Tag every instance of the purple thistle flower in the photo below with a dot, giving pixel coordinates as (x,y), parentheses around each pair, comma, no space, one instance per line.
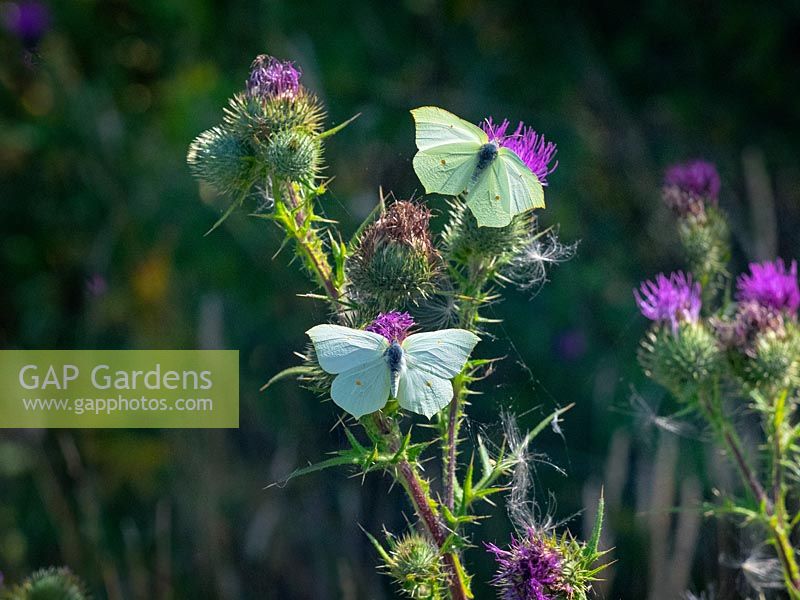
(770,284)
(750,320)
(393,325)
(27,20)
(532,149)
(670,299)
(697,177)
(531,569)
(273,78)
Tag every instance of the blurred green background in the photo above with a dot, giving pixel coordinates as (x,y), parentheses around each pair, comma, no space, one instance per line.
(102,247)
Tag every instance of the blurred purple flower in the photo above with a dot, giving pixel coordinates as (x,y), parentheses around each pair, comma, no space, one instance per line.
(96,285)
(531,569)
(393,325)
(698,177)
(531,147)
(750,320)
(27,20)
(670,299)
(273,78)
(571,344)
(771,285)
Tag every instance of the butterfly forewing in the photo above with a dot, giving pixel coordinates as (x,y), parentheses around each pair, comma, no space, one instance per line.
(441,353)
(341,348)
(363,389)
(438,127)
(524,189)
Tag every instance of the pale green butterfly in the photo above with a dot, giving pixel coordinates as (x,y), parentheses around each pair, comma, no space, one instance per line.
(369,369)
(456,156)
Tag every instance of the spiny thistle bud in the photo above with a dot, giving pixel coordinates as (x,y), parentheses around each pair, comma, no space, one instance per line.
(221,159)
(48,584)
(273,101)
(395,263)
(680,359)
(750,321)
(774,363)
(415,565)
(706,241)
(294,155)
(465,243)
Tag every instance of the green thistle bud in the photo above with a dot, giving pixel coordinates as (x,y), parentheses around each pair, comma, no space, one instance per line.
(394,263)
(48,584)
(257,118)
(773,362)
(681,361)
(465,243)
(415,565)
(706,241)
(218,157)
(294,155)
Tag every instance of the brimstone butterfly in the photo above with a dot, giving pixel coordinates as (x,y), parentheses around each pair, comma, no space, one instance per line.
(457,157)
(370,369)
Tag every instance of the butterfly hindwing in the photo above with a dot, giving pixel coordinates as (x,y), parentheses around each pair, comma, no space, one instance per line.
(341,348)
(421,392)
(446,170)
(506,188)
(363,389)
(522,188)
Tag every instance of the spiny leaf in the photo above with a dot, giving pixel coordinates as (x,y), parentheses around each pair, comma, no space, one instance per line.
(338,128)
(290,372)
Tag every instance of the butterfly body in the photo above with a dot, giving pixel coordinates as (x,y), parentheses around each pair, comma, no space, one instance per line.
(486,155)
(456,157)
(370,369)
(395,359)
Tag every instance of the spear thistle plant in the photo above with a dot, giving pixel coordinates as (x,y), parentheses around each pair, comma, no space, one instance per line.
(408,306)
(723,351)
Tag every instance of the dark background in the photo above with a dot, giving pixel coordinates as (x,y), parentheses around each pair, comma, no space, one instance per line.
(102,247)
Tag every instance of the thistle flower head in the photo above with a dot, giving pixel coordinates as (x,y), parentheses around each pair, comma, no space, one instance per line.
(273,78)
(393,325)
(45,584)
(221,159)
(415,565)
(394,262)
(698,177)
(672,299)
(294,155)
(531,568)
(748,323)
(532,148)
(771,284)
(28,20)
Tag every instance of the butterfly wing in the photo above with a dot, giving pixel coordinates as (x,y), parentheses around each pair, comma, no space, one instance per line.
(362,389)
(441,353)
(448,150)
(423,393)
(432,360)
(340,349)
(518,183)
(506,188)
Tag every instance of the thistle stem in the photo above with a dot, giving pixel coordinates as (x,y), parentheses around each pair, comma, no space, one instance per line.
(425,507)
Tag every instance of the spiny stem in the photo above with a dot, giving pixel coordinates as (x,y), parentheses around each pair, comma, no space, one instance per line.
(424,506)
